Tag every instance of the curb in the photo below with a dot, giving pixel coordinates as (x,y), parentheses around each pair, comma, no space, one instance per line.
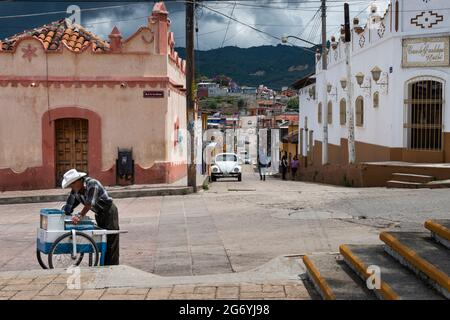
(356,264)
(416,261)
(320,282)
(115,194)
(438,229)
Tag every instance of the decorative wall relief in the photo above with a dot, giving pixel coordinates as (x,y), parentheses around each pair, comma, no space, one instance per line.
(427,19)
(362,41)
(381,30)
(29,52)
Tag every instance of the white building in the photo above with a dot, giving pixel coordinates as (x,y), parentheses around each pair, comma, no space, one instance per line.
(404,115)
(247,137)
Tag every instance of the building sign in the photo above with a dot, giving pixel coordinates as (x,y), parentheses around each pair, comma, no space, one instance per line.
(426,52)
(153,94)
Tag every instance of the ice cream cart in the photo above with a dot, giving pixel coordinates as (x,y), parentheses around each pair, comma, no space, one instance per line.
(66,244)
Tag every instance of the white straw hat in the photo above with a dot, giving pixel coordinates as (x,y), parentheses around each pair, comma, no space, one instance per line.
(71,176)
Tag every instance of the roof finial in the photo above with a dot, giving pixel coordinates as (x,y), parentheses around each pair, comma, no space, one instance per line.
(160,8)
(116,40)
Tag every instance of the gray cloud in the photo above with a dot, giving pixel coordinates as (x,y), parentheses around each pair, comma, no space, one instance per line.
(275,17)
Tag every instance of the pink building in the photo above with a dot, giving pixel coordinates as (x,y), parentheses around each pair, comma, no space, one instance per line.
(70,99)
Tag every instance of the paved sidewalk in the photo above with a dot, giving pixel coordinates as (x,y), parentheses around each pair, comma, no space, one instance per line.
(118,192)
(281,278)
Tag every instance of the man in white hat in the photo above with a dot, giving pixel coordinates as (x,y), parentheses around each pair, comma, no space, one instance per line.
(93,196)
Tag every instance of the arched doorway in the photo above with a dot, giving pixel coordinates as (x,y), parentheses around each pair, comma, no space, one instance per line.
(423,123)
(71,146)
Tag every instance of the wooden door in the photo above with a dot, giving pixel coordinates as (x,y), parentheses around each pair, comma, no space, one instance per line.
(71,138)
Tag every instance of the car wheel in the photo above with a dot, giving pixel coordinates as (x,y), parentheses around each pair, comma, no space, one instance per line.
(213,179)
(240,177)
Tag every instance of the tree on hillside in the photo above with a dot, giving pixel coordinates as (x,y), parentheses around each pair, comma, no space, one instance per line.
(293,104)
(222,80)
(242,104)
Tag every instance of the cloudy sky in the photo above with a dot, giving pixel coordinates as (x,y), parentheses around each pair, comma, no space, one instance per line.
(276,18)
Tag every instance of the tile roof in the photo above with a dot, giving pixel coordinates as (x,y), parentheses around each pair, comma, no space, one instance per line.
(53,34)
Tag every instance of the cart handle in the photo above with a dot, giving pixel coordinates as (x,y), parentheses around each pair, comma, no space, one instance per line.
(104,231)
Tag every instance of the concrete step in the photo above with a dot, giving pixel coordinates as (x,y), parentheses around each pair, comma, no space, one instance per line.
(334,280)
(437,184)
(421,254)
(440,231)
(407,177)
(403,184)
(397,282)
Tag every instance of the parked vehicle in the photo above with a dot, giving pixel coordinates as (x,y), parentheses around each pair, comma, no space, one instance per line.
(226,165)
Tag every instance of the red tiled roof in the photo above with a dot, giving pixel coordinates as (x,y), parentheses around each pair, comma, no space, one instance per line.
(265,102)
(55,33)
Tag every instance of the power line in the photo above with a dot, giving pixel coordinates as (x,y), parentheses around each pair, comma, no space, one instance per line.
(249,26)
(58,12)
(228,25)
(224,1)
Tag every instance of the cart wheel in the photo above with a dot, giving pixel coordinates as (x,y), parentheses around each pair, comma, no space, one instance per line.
(39,258)
(61,255)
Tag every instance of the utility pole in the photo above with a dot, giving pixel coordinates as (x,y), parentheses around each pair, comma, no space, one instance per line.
(324,87)
(350,112)
(190,90)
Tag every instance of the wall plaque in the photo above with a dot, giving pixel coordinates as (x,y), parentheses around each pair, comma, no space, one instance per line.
(153,94)
(426,52)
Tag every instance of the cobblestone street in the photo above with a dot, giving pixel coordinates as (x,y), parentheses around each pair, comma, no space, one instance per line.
(237,226)
(53,286)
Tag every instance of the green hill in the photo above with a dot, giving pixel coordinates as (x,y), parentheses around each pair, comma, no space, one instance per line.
(273,66)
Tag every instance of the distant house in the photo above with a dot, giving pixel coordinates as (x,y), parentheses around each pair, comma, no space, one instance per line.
(249,90)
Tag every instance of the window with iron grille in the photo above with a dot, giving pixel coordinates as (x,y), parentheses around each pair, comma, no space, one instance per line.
(330,112)
(319,113)
(423,114)
(343,112)
(359,109)
(311,147)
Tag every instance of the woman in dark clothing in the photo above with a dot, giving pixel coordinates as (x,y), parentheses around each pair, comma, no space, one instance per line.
(284,166)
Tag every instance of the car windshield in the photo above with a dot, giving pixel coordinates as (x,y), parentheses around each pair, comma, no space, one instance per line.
(226,157)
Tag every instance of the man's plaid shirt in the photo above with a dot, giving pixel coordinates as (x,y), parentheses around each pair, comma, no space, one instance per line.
(93,194)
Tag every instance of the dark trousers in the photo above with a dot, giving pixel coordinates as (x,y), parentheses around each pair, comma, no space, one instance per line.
(109,220)
(261,176)
(283,172)
(294,172)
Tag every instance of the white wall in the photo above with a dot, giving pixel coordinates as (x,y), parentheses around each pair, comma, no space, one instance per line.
(383,125)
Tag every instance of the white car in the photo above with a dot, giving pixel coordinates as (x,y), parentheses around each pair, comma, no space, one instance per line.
(226,165)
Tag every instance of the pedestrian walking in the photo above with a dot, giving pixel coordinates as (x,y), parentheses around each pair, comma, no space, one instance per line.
(294,166)
(93,196)
(284,166)
(263,164)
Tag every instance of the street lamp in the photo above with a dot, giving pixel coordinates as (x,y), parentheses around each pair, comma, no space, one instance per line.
(360,77)
(330,88)
(344,83)
(284,39)
(376,76)
(312,92)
